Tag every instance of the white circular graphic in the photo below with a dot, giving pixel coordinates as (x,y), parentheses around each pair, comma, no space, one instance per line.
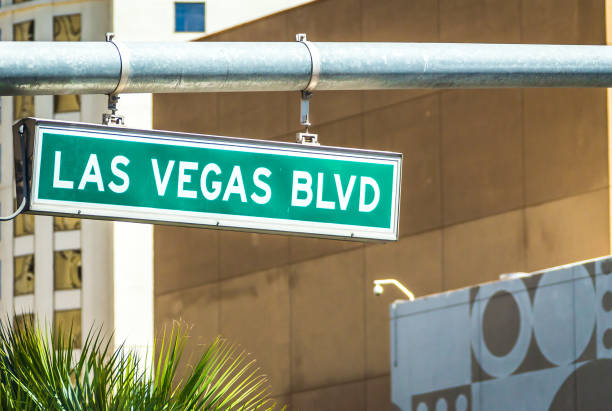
(490,363)
(461,403)
(441,405)
(556,306)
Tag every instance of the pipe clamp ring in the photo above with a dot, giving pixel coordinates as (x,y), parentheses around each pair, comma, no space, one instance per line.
(124,59)
(315,62)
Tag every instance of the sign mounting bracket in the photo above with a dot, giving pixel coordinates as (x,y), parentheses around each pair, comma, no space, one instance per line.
(307,137)
(112,118)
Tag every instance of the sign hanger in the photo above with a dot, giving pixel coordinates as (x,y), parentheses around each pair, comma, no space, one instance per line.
(307,137)
(112,118)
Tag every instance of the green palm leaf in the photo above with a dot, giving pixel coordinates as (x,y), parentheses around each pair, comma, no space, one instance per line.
(39,371)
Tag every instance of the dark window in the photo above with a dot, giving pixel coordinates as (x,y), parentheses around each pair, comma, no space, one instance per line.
(189,17)
(67,28)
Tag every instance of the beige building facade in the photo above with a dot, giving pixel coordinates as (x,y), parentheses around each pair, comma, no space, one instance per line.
(494,181)
(85,273)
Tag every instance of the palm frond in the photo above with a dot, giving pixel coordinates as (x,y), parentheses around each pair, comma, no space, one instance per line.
(39,371)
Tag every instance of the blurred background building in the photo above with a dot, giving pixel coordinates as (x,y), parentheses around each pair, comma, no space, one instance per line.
(539,342)
(494,181)
(86,272)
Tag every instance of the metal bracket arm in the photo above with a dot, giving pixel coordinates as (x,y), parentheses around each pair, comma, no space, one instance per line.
(23,141)
(315,60)
(112,118)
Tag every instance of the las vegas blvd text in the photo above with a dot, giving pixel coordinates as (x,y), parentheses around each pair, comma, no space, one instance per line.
(211,187)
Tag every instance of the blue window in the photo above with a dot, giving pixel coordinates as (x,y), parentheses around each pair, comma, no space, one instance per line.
(189,17)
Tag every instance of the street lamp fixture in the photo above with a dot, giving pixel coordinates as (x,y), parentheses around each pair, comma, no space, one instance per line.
(378,287)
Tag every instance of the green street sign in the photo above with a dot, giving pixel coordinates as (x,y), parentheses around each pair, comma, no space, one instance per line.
(94,171)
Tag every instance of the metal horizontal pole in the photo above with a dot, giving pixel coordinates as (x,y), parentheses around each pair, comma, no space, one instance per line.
(28,68)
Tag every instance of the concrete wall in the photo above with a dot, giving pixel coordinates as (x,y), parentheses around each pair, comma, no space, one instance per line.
(540,342)
(494,181)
